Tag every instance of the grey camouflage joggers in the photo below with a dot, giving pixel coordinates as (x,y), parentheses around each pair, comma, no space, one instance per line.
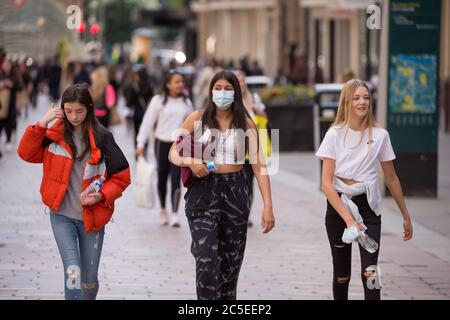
(217,208)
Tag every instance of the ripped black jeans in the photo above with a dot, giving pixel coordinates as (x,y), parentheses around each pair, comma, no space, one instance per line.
(342,252)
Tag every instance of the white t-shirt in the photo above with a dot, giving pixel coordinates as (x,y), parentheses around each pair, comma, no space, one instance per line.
(168,119)
(356,162)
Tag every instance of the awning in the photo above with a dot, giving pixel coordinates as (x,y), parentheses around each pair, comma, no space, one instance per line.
(221,5)
(337,4)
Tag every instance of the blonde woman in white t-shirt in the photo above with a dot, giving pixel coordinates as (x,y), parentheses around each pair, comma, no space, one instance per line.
(350,151)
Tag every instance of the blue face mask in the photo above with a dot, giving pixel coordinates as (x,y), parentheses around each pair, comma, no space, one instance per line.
(350,234)
(223,98)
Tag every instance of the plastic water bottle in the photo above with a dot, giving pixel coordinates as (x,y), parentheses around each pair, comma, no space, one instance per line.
(367,242)
(95,186)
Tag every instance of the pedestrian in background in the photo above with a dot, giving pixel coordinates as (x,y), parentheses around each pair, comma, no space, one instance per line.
(202,81)
(218,203)
(112,77)
(103,94)
(167,111)
(23,95)
(68,76)
(254,106)
(2,55)
(10,84)
(54,80)
(346,75)
(76,150)
(137,92)
(40,81)
(351,151)
(81,73)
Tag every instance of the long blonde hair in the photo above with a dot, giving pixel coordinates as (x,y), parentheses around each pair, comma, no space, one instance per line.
(100,81)
(344,109)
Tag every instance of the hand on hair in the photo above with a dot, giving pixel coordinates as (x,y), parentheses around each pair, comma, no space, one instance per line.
(52,114)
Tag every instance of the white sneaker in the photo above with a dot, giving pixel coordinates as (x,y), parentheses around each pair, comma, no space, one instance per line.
(175,223)
(9,146)
(163,220)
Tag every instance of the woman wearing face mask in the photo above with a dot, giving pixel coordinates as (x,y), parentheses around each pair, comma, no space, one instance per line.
(167,110)
(351,151)
(218,203)
(75,150)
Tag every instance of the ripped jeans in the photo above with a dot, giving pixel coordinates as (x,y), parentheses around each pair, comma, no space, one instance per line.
(342,252)
(80,253)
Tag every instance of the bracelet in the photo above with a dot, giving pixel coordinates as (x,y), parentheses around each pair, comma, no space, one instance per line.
(211,166)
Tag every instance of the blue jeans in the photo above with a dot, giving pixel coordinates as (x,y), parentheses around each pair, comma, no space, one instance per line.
(80,253)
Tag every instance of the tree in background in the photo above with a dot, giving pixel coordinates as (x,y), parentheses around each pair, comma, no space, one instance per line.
(118,15)
(118,23)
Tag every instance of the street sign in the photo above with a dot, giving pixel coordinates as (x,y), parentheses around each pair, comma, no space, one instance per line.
(413,74)
(412,110)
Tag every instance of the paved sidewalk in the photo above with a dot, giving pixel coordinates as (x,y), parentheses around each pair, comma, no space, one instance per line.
(142,260)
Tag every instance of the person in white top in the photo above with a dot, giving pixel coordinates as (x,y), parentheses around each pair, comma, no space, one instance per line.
(167,111)
(200,89)
(218,202)
(351,151)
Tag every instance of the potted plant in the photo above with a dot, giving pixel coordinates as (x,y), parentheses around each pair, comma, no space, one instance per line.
(288,95)
(290,110)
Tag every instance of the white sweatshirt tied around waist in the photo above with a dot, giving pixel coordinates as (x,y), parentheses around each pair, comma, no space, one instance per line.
(369,187)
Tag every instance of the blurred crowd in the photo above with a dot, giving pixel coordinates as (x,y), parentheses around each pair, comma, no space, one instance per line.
(22,80)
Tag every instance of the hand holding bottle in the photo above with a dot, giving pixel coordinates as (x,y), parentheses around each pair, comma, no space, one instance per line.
(92,195)
(91,199)
(367,242)
(354,233)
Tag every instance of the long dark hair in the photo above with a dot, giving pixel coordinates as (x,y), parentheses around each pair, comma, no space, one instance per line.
(240,114)
(80,93)
(165,92)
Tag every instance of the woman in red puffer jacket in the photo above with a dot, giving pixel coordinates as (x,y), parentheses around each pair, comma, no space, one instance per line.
(75,150)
